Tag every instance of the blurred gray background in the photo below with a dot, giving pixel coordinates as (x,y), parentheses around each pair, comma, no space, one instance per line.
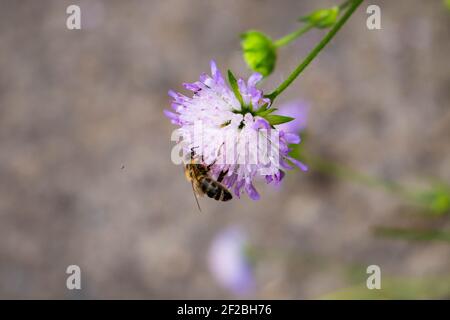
(85,170)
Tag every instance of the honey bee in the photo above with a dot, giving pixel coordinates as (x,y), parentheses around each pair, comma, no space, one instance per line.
(202,182)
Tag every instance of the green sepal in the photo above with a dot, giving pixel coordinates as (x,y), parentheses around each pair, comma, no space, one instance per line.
(274,119)
(235,87)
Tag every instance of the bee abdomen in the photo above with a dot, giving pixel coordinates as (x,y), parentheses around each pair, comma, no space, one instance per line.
(210,187)
(226,195)
(215,190)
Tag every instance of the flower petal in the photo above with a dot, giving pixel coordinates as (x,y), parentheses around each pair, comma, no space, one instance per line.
(279,176)
(299,164)
(217,75)
(251,191)
(174,118)
(292,138)
(254,79)
(261,123)
(284,164)
(237,188)
(192,86)
(171,115)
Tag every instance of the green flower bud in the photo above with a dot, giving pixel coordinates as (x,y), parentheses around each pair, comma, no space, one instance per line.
(322,18)
(259,52)
(437,199)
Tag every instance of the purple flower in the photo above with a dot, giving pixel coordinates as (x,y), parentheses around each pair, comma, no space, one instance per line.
(229,263)
(298,110)
(230,137)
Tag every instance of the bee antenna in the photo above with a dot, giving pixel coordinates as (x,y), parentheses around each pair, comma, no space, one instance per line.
(192,151)
(196,198)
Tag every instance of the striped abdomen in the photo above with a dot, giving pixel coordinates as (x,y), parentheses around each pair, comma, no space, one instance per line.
(214,189)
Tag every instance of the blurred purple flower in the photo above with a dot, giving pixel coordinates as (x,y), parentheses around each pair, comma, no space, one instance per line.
(229,263)
(297,109)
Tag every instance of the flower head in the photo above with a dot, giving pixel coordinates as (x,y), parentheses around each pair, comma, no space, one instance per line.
(232,129)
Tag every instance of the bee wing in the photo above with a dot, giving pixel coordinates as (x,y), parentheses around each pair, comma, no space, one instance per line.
(195,195)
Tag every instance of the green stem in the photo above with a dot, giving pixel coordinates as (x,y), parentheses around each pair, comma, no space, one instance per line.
(310,57)
(302,30)
(344,5)
(435,200)
(414,234)
(337,170)
(292,36)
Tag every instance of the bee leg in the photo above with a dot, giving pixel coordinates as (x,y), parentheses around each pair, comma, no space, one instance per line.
(222,175)
(210,165)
